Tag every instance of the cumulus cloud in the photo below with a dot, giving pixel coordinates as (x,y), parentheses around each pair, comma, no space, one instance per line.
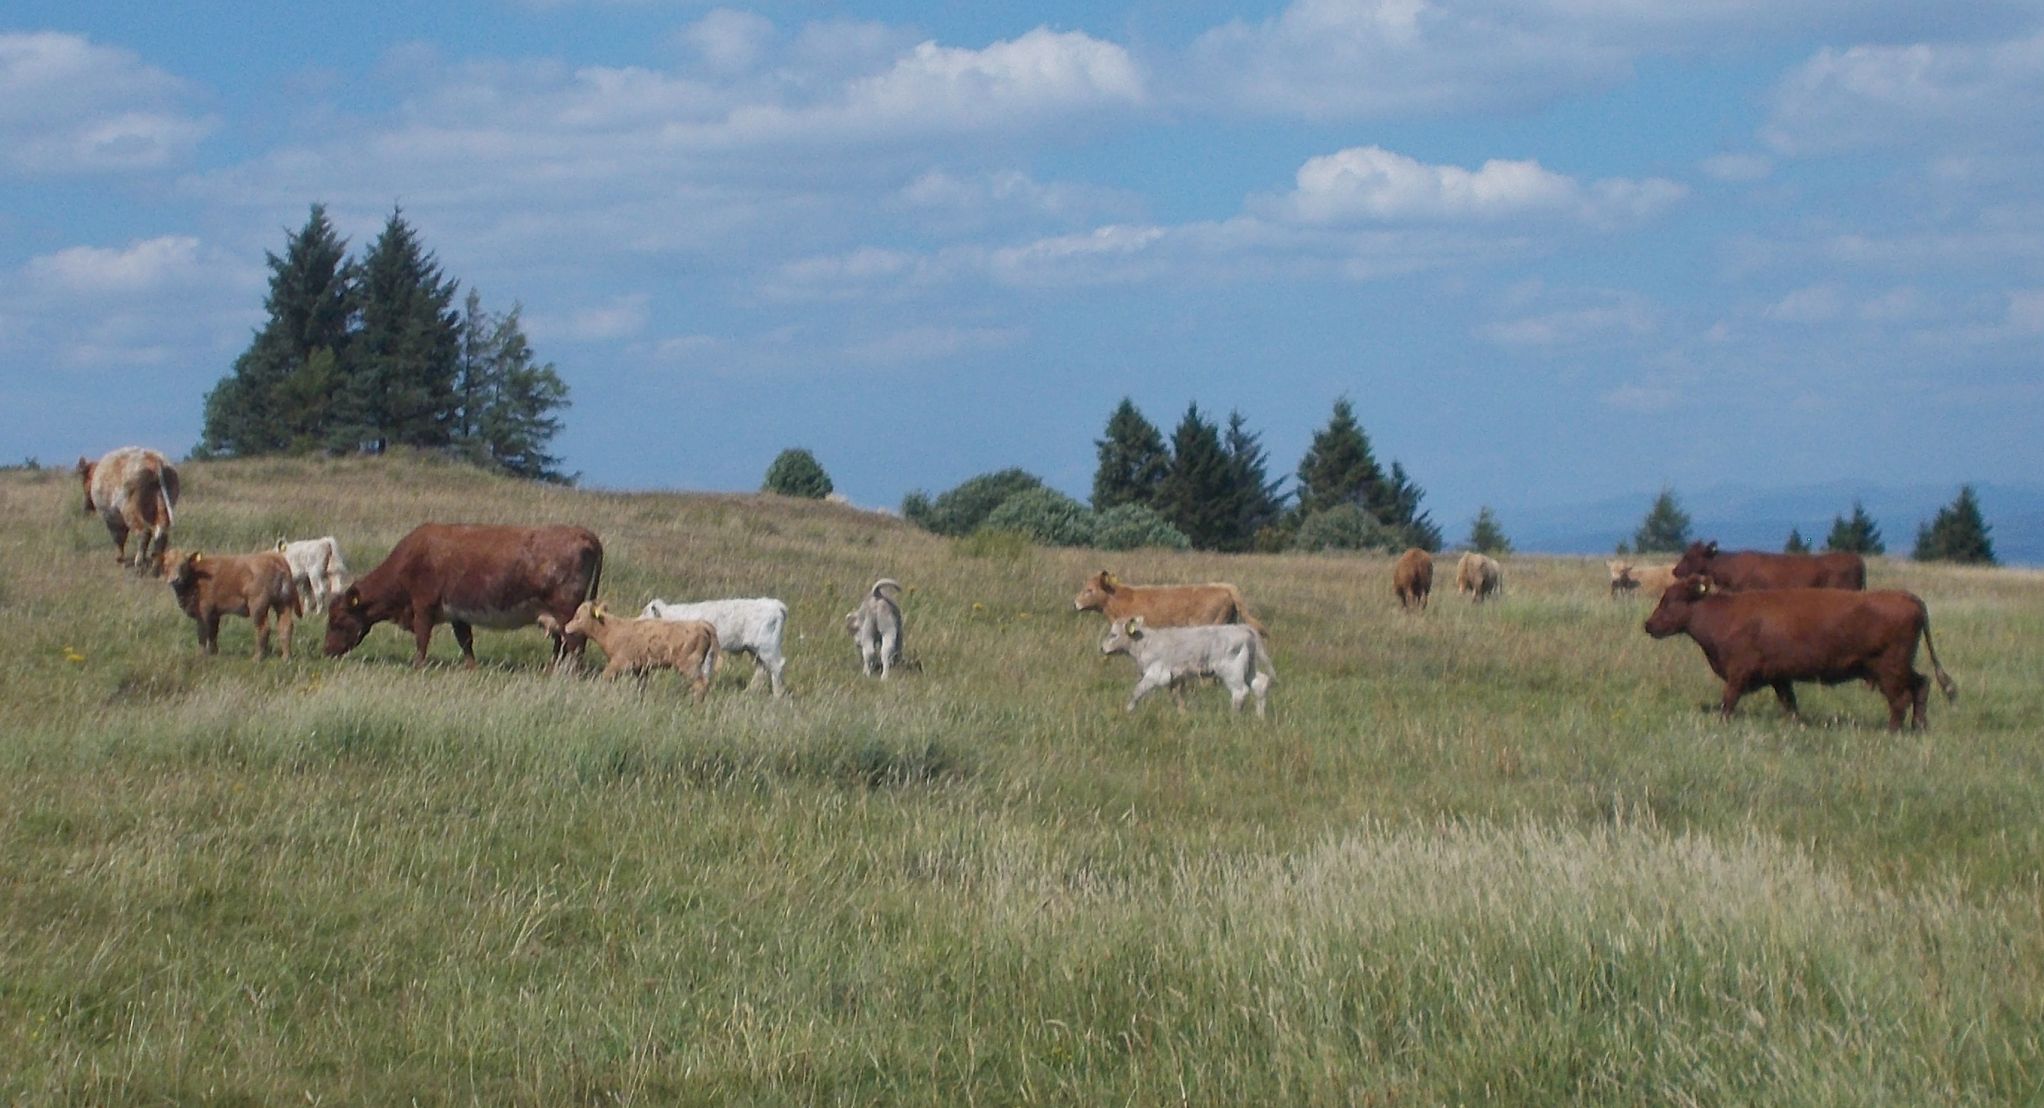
(1372,183)
(69,105)
(142,265)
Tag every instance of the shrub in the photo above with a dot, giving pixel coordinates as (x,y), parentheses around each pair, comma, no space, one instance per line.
(796,472)
(963,509)
(1346,527)
(1129,526)
(1045,515)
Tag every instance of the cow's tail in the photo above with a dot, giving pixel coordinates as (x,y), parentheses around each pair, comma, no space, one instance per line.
(883,584)
(595,576)
(1242,613)
(1262,660)
(1945,683)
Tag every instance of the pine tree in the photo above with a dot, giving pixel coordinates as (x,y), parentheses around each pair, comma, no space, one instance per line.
(1959,533)
(403,365)
(1796,544)
(796,472)
(1254,498)
(1133,460)
(1338,468)
(1196,494)
(1665,529)
(1401,514)
(280,392)
(1485,536)
(1858,535)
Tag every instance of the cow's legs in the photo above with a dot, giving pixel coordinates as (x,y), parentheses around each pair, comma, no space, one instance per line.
(209,633)
(120,534)
(465,635)
(286,619)
(890,645)
(422,635)
(260,616)
(1785,691)
(1143,688)
(1919,697)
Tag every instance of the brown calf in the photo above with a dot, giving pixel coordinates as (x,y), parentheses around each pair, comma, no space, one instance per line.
(1165,605)
(1776,637)
(252,585)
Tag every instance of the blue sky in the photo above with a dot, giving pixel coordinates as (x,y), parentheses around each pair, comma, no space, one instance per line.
(1555,251)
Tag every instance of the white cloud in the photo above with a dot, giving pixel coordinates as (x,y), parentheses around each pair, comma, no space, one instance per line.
(149,263)
(68,105)
(1624,317)
(621,318)
(1372,183)
(1936,93)
(730,41)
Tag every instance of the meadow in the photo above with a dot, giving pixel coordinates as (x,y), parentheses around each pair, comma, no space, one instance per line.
(1494,854)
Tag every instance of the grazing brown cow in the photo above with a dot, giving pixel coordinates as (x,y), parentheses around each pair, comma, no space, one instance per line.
(133,490)
(1756,569)
(1478,576)
(1776,637)
(1412,578)
(252,585)
(1645,580)
(1165,605)
(473,575)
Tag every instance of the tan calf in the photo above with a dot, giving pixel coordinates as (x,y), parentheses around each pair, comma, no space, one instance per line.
(257,586)
(639,646)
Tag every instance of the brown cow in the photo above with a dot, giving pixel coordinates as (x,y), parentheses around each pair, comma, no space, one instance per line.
(1478,576)
(1646,580)
(473,575)
(1165,605)
(1776,637)
(1756,569)
(133,490)
(1412,578)
(252,585)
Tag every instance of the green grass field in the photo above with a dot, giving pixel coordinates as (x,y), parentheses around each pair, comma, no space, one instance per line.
(1494,854)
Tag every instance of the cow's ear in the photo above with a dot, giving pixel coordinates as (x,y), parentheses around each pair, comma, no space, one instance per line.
(1712,549)
(196,557)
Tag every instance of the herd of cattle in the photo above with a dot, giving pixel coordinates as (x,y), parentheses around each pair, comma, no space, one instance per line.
(1762,620)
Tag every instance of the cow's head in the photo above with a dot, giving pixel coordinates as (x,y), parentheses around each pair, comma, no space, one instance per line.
(1696,559)
(85,469)
(185,573)
(1122,635)
(588,616)
(347,621)
(1671,615)
(1093,597)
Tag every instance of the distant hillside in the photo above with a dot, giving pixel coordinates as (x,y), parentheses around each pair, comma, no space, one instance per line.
(1761,519)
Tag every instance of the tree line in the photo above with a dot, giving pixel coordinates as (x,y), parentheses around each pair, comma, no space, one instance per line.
(365,354)
(1958,533)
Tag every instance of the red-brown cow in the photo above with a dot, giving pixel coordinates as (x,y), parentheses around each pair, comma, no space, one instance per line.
(1165,605)
(1755,569)
(1412,578)
(1777,637)
(473,575)
(253,585)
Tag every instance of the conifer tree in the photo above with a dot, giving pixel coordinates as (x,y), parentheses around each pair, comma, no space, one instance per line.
(1197,494)
(1796,544)
(1485,536)
(1665,529)
(508,400)
(1133,460)
(1255,499)
(1338,467)
(1401,514)
(1858,535)
(1959,533)
(279,393)
(401,380)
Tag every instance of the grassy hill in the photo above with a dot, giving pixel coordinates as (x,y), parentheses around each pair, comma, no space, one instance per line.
(1486,854)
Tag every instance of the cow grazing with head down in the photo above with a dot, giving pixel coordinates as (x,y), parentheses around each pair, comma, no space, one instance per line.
(1776,637)
(469,576)
(1756,569)
(257,586)
(133,490)
(1412,578)
(1479,577)
(1645,580)
(1165,605)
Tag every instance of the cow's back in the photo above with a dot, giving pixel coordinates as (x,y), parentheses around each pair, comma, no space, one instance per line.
(485,566)
(1754,569)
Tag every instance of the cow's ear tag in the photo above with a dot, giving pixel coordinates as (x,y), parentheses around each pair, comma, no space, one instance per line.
(1703,588)
(355,600)
(197,558)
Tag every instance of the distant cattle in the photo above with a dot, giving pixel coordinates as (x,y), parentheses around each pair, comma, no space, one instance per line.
(1412,578)
(1478,576)
(257,586)
(753,625)
(639,646)
(469,576)
(1165,605)
(876,628)
(1171,656)
(316,569)
(134,491)
(1645,580)
(1777,637)
(1754,569)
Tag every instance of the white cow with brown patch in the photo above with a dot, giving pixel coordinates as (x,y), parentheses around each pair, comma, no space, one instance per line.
(134,491)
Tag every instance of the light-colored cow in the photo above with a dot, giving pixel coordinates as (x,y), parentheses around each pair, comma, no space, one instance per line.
(639,646)
(876,627)
(1478,576)
(316,569)
(1647,580)
(1164,605)
(752,625)
(133,489)
(1171,656)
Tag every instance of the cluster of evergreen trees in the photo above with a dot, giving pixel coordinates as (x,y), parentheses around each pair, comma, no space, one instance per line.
(372,353)
(1959,533)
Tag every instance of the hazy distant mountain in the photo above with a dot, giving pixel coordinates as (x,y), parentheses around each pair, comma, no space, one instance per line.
(1760,519)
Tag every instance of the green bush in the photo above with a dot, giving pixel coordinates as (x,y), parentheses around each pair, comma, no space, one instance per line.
(796,472)
(1046,515)
(1345,527)
(963,509)
(1130,526)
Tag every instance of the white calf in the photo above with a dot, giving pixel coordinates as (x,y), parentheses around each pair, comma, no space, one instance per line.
(317,570)
(750,626)
(1169,656)
(876,628)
